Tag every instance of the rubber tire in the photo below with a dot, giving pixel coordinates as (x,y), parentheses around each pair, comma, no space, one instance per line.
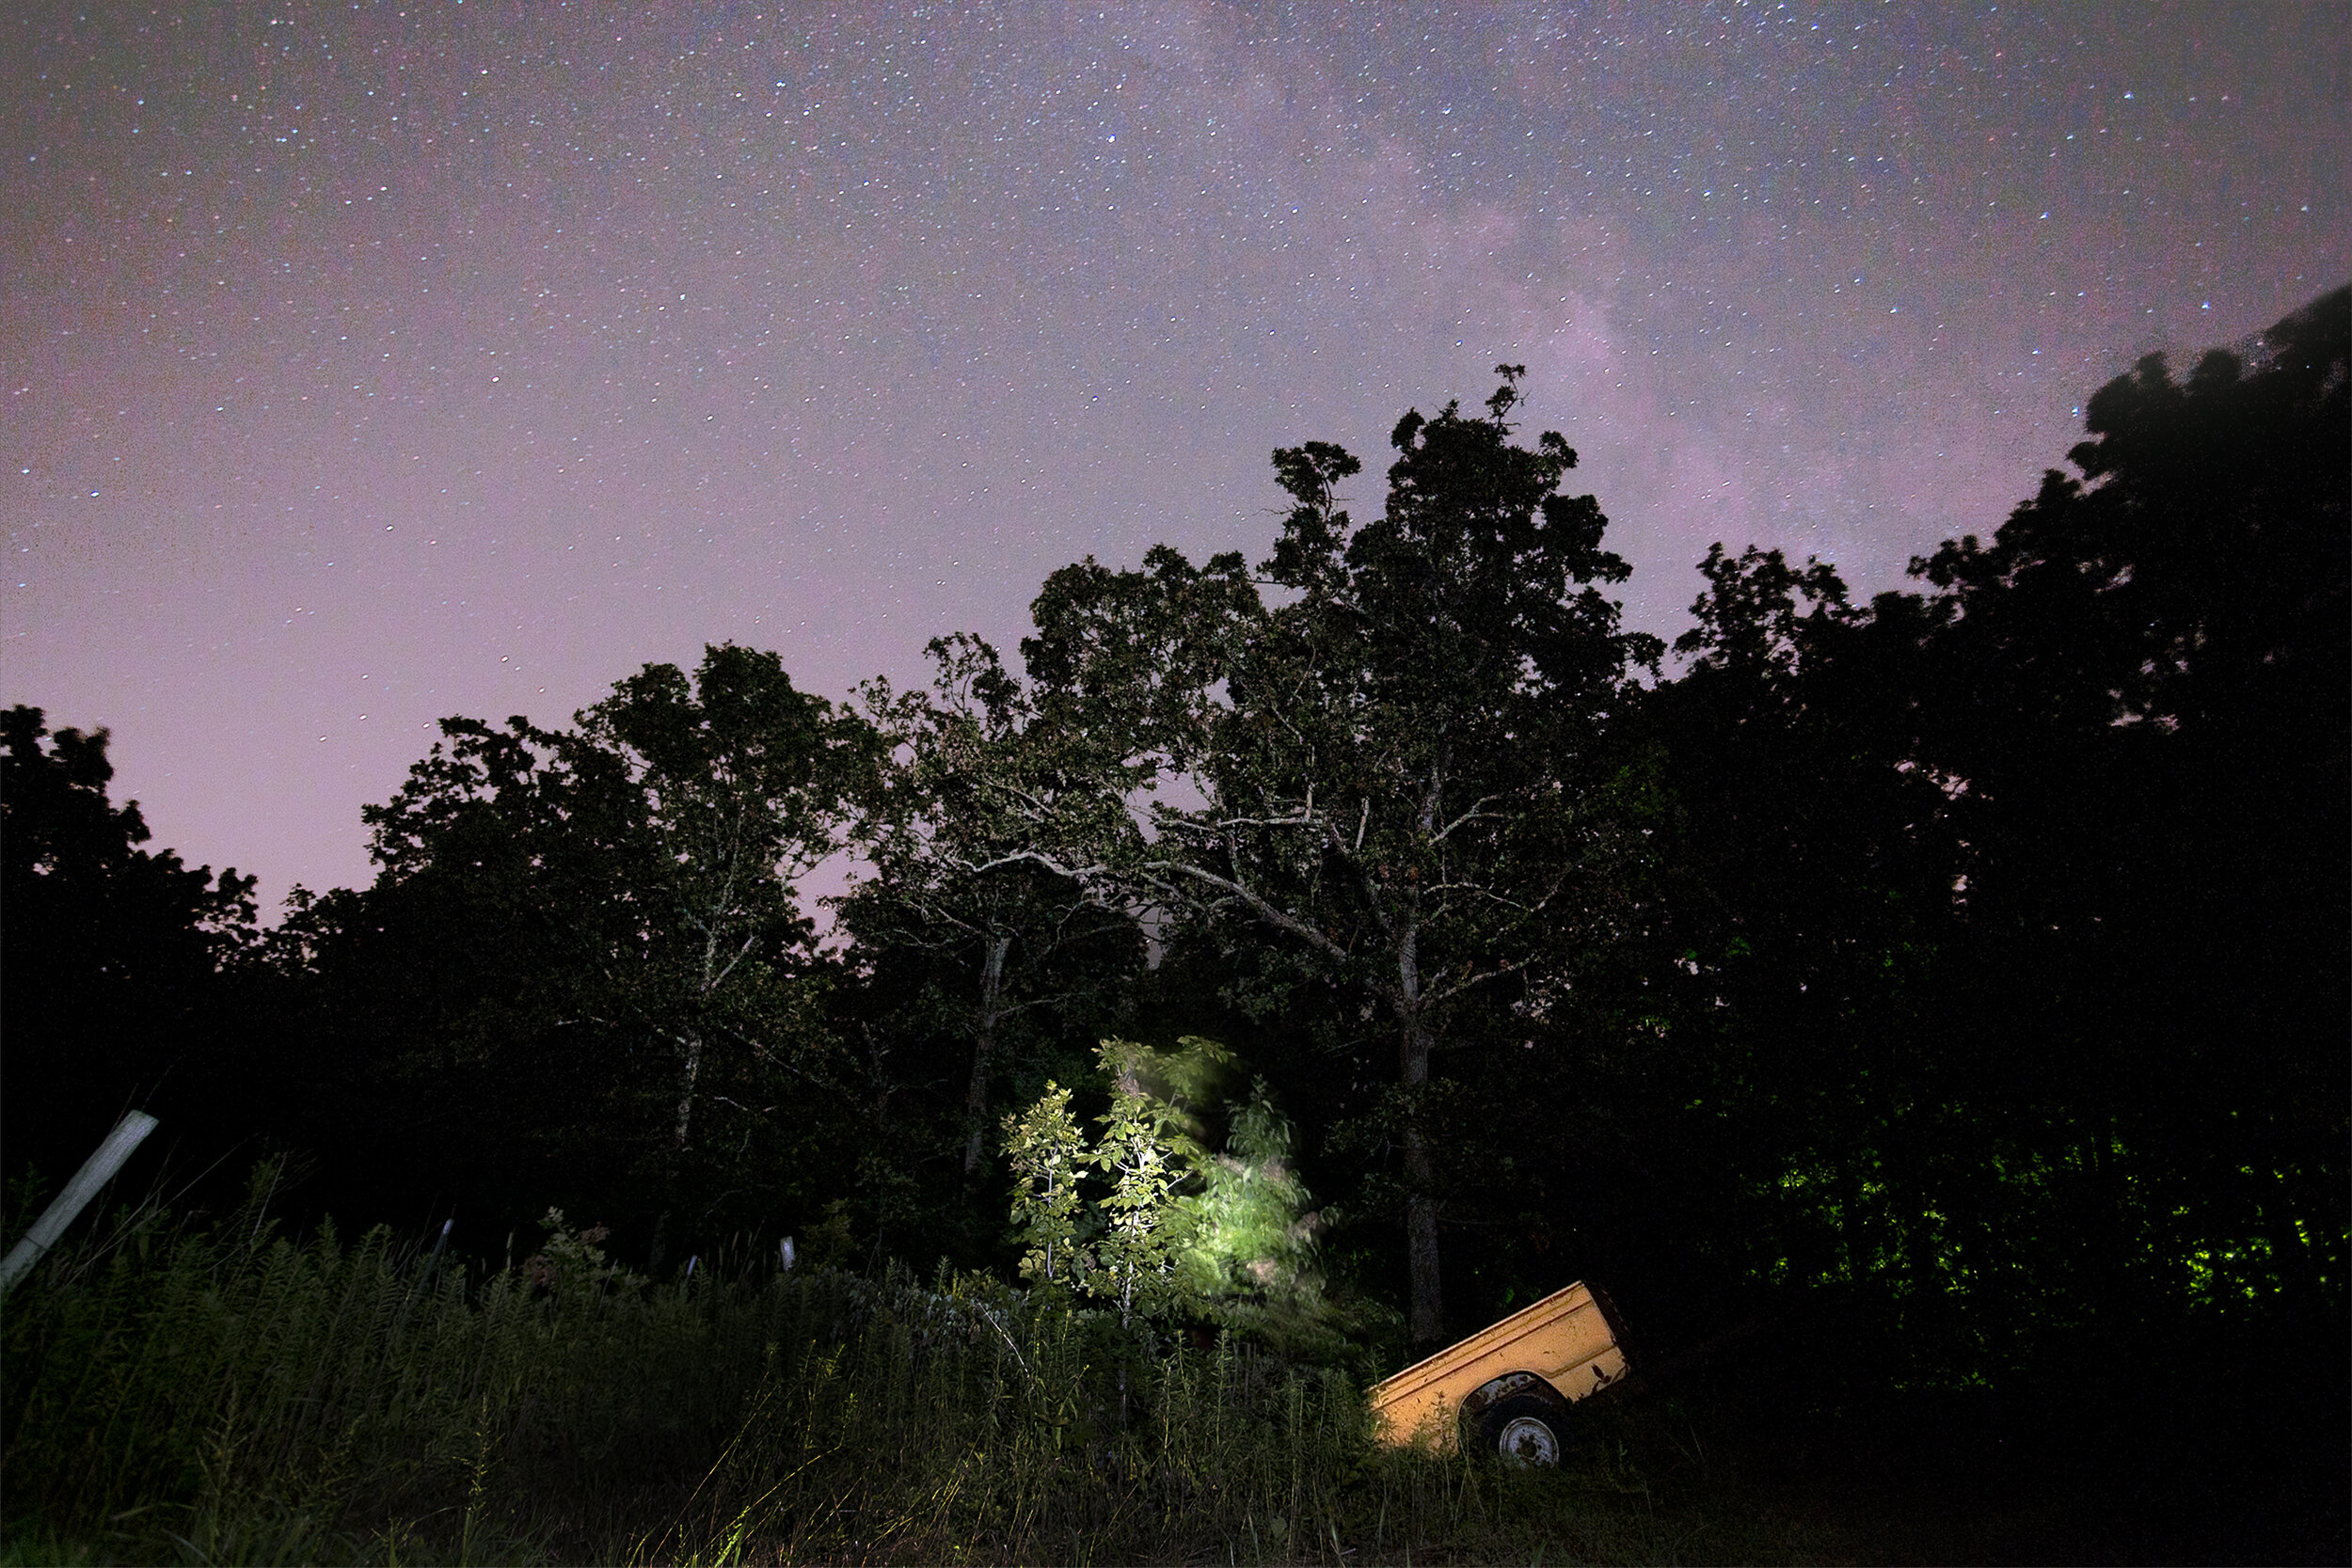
(1550,1416)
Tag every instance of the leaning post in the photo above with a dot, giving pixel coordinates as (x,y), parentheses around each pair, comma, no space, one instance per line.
(96,1172)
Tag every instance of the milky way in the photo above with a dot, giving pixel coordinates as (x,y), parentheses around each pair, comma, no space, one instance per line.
(367,365)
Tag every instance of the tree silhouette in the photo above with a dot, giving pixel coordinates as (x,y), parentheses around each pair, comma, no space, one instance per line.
(112,971)
(979,940)
(606,922)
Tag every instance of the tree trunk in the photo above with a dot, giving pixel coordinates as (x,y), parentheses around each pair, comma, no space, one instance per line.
(1428,1320)
(678,1144)
(1414,1041)
(984,1047)
(686,1092)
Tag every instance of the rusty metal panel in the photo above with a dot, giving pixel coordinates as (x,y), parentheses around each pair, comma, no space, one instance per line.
(1567,1338)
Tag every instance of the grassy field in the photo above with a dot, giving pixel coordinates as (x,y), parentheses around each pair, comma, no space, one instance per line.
(218,1393)
(213,1392)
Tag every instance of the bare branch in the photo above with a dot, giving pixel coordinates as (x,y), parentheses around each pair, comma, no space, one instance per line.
(747,1110)
(750,941)
(1476,812)
(1438,994)
(1273,915)
(1034,857)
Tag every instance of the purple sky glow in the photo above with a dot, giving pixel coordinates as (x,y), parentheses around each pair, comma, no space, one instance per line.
(366,363)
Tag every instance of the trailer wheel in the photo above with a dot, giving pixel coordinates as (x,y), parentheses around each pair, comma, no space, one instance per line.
(1526,1428)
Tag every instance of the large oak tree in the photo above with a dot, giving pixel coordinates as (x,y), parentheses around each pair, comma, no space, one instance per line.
(1386,772)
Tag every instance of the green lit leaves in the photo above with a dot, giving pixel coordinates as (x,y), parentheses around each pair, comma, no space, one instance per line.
(1047,1149)
(1136,1256)
(1129,1258)
(1227,1235)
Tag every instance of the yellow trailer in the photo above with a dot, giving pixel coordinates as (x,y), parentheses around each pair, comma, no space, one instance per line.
(1510,1384)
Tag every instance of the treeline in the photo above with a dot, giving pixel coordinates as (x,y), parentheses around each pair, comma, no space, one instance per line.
(1948,992)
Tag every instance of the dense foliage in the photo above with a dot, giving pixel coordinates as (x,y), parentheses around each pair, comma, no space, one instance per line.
(1943,997)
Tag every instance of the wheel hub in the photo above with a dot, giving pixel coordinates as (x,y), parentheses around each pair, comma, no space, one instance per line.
(1525,1440)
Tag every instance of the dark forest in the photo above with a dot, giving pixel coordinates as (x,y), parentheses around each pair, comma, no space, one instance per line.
(1926,1016)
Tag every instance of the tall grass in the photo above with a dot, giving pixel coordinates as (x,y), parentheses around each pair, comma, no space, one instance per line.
(219,1393)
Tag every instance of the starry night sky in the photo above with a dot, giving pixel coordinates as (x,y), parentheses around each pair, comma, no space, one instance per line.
(365,365)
